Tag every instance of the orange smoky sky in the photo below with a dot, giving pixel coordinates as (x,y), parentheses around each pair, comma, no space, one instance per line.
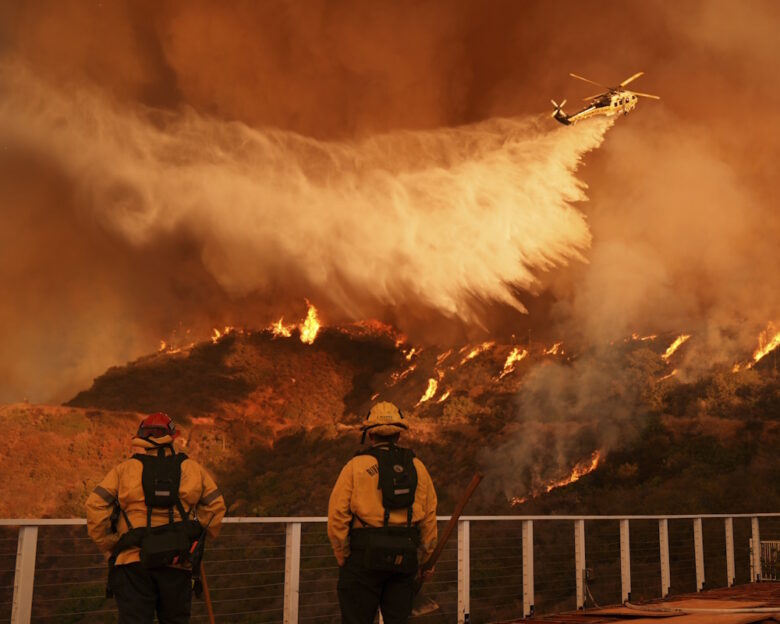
(173,165)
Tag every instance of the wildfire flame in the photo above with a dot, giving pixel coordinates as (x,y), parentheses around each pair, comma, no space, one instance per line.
(217,335)
(410,354)
(554,349)
(766,344)
(163,346)
(669,376)
(443,357)
(675,345)
(580,470)
(444,397)
(429,392)
(310,326)
(513,358)
(480,348)
(280,330)
(396,377)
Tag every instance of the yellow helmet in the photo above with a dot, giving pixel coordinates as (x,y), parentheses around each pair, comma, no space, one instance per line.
(384,419)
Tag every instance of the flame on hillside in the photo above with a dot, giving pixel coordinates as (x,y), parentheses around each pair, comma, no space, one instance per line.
(444,397)
(513,358)
(443,357)
(217,335)
(766,344)
(475,351)
(396,376)
(554,349)
(637,336)
(669,376)
(433,385)
(279,329)
(311,326)
(580,470)
(678,342)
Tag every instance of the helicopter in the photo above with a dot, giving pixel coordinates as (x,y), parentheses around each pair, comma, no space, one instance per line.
(611,102)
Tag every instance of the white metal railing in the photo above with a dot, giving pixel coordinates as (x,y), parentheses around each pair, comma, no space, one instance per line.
(289,611)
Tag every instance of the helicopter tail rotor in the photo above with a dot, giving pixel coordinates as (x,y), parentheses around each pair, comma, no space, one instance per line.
(558,113)
(558,108)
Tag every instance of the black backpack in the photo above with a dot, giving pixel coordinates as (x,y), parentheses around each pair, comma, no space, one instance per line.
(168,543)
(392,548)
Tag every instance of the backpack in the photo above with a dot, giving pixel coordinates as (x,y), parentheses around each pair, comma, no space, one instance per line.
(169,543)
(392,548)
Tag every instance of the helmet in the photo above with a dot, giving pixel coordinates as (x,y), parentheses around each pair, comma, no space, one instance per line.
(384,419)
(157,425)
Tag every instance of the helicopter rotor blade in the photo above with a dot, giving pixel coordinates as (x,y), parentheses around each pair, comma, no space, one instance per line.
(631,79)
(590,81)
(593,97)
(655,97)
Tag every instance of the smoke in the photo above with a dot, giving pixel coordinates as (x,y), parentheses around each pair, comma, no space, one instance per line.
(436,218)
(182,164)
(568,411)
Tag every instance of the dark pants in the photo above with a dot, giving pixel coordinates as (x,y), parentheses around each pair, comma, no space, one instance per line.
(139,592)
(362,591)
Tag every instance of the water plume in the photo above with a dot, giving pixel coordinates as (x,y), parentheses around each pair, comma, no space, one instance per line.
(438,218)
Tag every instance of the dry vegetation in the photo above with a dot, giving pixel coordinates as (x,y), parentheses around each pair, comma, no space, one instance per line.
(275,419)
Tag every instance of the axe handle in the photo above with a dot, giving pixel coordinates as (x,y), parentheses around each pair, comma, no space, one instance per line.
(453,522)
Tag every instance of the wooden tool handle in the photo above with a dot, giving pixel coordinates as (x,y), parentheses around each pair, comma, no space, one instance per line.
(206,594)
(453,522)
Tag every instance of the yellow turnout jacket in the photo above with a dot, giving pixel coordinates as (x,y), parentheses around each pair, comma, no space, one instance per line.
(198,493)
(357,497)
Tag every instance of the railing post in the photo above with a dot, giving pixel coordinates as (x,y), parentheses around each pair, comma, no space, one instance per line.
(755,551)
(292,571)
(579,561)
(663,540)
(528,568)
(698,553)
(24,577)
(625,561)
(464,572)
(730,570)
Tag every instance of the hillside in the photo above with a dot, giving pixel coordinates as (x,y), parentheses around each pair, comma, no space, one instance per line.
(275,419)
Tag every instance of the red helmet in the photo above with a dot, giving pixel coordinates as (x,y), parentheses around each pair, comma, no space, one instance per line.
(157,425)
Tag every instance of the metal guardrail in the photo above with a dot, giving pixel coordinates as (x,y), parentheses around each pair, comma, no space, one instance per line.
(282,569)
(770,559)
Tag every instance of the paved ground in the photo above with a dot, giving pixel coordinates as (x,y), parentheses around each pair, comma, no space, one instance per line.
(673,611)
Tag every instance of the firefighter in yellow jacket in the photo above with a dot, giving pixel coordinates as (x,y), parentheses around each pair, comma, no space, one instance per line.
(381,523)
(159,489)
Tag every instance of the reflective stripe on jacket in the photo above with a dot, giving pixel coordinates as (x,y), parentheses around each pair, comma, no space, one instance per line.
(357,495)
(199,496)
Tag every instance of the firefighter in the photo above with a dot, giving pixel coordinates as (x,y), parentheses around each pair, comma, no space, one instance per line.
(153,570)
(381,523)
